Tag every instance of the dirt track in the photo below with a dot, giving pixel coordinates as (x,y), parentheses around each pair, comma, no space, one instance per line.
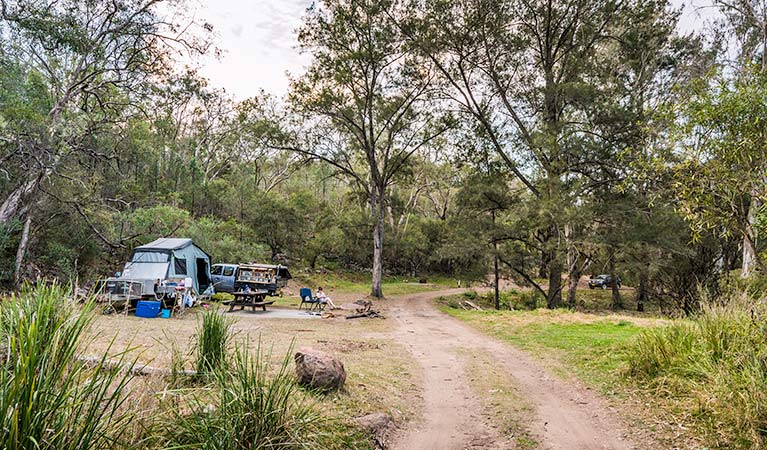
(566,416)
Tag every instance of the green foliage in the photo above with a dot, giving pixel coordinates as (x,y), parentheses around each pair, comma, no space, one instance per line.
(718,359)
(49,397)
(6,250)
(212,339)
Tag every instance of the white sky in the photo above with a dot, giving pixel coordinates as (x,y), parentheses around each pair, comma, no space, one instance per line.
(259,42)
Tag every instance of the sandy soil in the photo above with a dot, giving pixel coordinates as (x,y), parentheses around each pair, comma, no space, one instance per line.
(566,416)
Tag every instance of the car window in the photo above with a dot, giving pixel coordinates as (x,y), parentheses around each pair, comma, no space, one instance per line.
(245,275)
(228,271)
(216,270)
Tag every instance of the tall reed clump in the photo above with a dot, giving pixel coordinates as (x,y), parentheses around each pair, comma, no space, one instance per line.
(212,340)
(718,359)
(50,398)
(251,406)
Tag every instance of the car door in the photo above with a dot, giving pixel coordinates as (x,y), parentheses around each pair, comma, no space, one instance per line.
(215,276)
(227,278)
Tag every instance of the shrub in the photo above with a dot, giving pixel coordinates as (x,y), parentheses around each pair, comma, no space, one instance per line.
(50,398)
(212,340)
(718,358)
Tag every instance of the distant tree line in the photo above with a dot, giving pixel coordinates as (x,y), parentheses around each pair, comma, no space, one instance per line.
(541,141)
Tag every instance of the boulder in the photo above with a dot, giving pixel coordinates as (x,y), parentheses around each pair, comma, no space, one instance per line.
(319,370)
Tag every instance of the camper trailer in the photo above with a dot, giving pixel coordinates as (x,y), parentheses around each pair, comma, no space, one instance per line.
(158,268)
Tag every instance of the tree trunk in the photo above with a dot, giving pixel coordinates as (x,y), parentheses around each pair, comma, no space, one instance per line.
(554,294)
(617,301)
(554,297)
(749,240)
(17,199)
(377,209)
(573,271)
(641,293)
(572,287)
(22,250)
(495,270)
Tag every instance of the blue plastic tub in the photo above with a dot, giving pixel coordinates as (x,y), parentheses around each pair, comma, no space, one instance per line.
(165,314)
(148,309)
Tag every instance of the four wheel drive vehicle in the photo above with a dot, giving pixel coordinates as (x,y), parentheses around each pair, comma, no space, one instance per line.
(604,282)
(234,277)
(222,276)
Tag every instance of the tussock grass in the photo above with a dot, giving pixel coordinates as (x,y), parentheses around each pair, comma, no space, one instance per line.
(49,397)
(719,361)
(213,337)
(254,406)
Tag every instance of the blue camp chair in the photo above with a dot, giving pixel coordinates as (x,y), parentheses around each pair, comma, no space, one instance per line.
(306,297)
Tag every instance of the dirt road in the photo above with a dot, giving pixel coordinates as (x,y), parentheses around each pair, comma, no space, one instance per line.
(566,416)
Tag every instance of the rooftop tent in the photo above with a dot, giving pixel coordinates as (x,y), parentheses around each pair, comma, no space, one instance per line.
(170,258)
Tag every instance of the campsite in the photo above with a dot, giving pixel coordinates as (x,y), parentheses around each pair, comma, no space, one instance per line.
(383,224)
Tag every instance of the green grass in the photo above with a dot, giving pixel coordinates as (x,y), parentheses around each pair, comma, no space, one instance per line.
(49,397)
(252,405)
(598,349)
(359,283)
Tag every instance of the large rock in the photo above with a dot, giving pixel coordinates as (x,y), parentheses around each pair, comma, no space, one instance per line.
(319,370)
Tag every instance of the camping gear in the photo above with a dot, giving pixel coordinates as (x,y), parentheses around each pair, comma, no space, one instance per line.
(148,309)
(306,297)
(164,265)
(165,314)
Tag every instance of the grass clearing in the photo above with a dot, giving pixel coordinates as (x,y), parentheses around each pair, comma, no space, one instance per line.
(359,283)
(595,345)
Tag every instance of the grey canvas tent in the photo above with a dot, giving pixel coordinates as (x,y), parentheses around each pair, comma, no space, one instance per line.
(169,258)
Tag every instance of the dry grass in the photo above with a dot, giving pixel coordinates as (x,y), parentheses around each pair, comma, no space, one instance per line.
(379,372)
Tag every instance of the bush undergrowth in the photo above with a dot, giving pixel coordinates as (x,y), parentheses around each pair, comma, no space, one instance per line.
(50,396)
(719,360)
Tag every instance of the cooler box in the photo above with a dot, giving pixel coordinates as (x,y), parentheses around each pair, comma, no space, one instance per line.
(147,309)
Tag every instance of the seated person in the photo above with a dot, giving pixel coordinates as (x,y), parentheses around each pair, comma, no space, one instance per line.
(246,289)
(322,298)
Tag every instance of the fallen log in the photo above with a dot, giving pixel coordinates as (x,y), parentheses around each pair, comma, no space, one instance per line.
(474,306)
(134,369)
(370,314)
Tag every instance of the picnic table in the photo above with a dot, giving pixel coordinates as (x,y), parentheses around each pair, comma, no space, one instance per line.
(252,298)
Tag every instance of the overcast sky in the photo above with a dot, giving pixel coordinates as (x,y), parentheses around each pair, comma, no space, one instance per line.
(259,42)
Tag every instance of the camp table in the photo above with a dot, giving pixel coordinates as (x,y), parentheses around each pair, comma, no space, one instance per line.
(253,299)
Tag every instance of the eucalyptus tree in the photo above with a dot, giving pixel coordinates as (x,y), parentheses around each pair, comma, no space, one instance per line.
(366,102)
(525,71)
(735,142)
(81,68)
